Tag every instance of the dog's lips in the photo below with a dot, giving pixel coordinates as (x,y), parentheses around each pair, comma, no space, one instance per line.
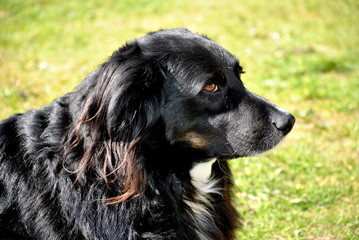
(225,157)
(256,149)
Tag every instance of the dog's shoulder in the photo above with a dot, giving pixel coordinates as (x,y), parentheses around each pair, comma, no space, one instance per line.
(31,131)
(8,133)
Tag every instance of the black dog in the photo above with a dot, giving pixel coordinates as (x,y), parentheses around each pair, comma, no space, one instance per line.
(139,150)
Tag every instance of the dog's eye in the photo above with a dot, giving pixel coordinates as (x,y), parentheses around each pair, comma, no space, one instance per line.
(211,87)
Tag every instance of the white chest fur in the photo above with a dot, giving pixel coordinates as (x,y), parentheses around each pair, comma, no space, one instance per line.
(201,177)
(205,184)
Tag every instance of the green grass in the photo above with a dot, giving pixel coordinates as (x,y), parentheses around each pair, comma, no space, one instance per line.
(302,55)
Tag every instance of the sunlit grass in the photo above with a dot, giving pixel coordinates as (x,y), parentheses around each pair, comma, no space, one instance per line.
(302,55)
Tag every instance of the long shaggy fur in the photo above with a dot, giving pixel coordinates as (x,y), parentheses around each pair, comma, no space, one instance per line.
(117,158)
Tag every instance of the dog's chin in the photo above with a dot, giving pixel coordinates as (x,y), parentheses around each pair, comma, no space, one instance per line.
(255,151)
(226,157)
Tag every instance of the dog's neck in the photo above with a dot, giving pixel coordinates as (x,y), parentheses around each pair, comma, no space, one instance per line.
(201,174)
(200,207)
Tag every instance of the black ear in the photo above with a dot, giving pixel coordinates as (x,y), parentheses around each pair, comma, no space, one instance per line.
(133,92)
(117,105)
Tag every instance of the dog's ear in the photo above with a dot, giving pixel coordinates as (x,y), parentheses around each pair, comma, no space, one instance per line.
(121,101)
(131,84)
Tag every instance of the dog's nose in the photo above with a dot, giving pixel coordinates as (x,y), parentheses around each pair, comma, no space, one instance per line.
(284,122)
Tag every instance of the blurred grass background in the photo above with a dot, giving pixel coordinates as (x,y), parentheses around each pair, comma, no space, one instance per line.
(302,55)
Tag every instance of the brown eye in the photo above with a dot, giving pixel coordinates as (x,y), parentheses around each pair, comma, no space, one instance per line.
(211,88)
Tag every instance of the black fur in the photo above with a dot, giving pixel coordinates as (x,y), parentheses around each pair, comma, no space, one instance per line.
(112,159)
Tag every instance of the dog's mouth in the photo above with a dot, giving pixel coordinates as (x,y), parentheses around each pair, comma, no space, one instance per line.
(228,157)
(224,149)
(243,149)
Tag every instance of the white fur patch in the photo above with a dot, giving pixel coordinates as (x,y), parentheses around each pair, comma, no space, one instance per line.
(201,177)
(205,185)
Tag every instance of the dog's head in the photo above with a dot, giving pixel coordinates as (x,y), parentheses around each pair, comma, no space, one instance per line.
(183,88)
(204,101)
(195,87)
